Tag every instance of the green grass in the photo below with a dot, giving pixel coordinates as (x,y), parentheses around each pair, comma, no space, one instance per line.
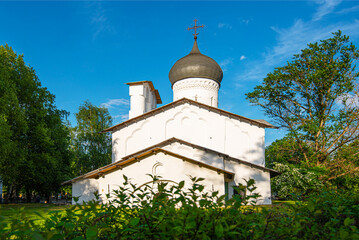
(274,202)
(32,211)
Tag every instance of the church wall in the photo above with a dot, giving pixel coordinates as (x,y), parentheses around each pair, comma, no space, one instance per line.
(196,125)
(244,141)
(262,179)
(241,171)
(172,168)
(84,189)
(197,154)
(166,166)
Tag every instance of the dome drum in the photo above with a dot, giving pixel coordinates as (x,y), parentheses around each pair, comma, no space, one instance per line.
(202,90)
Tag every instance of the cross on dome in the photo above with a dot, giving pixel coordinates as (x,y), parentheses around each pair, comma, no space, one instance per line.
(196,65)
(195,28)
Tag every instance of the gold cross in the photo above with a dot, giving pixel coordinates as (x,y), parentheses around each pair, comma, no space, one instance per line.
(195,28)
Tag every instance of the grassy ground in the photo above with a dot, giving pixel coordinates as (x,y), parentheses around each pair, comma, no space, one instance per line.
(274,202)
(38,212)
(33,211)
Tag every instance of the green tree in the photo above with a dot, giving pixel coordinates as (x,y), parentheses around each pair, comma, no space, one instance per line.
(34,142)
(346,161)
(295,180)
(312,97)
(284,151)
(92,149)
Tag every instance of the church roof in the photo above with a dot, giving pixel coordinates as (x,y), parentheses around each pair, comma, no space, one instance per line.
(225,156)
(132,158)
(260,123)
(195,65)
(141,156)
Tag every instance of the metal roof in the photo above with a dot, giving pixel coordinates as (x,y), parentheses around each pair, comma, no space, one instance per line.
(132,158)
(195,65)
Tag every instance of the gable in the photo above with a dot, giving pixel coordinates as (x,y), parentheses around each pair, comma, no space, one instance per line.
(192,123)
(260,122)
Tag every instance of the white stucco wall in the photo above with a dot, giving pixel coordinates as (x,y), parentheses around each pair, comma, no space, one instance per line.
(84,189)
(242,172)
(202,90)
(175,169)
(196,125)
(168,167)
(143,99)
(196,154)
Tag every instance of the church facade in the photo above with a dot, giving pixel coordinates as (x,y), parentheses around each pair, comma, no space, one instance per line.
(188,137)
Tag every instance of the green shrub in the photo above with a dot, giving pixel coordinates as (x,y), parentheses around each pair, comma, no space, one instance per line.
(295,182)
(161,210)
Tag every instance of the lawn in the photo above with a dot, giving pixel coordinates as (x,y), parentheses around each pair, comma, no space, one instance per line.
(33,211)
(275,202)
(39,212)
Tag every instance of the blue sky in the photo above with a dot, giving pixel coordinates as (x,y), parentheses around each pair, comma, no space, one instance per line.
(87,50)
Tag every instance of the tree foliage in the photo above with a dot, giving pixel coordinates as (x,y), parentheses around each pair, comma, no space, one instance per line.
(284,151)
(91,148)
(344,167)
(34,143)
(315,98)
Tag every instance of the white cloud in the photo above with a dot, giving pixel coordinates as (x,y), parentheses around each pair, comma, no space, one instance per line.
(245,21)
(98,19)
(242,58)
(115,102)
(352,100)
(326,7)
(224,64)
(295,38)
(290,41)
(349,10)
(224,25)
(118,109)
(120,117)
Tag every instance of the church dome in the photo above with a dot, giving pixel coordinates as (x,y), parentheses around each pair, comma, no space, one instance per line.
(195,65)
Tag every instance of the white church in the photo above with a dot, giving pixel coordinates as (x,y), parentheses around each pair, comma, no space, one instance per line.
(188,137)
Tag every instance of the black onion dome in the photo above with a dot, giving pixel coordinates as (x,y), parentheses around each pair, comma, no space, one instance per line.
(195,65)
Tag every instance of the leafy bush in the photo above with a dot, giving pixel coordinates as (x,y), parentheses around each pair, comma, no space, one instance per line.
(295,182)
(160,210)
(326,215)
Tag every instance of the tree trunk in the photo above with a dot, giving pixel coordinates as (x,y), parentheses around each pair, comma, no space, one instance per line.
(28,195)
(11,194)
